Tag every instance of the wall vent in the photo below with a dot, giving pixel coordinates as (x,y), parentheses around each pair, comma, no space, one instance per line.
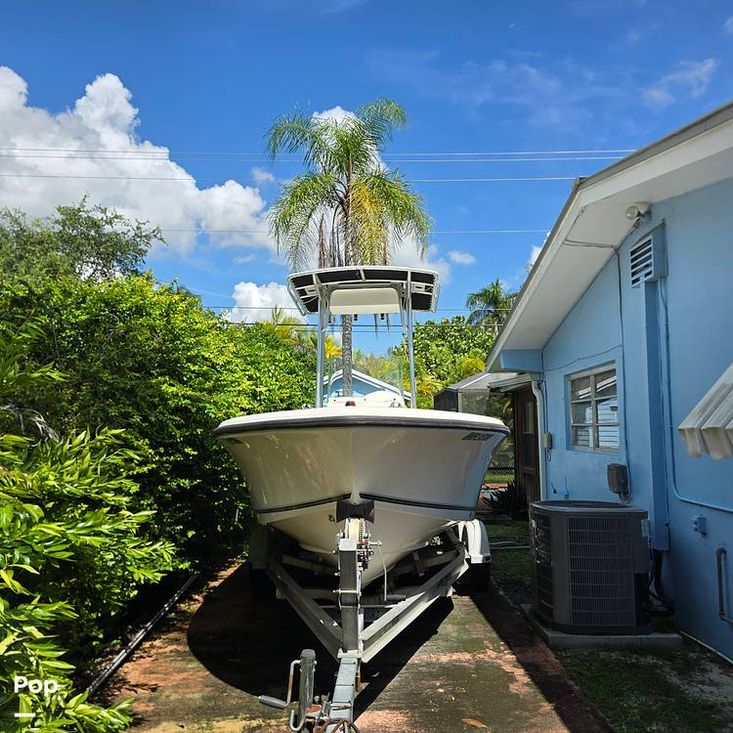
(641,262)
(646,259)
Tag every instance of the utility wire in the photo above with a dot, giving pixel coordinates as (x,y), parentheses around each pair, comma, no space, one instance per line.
(436,231)
(221,159)
(293,308)
(365,327)
(193,179)
(259,155)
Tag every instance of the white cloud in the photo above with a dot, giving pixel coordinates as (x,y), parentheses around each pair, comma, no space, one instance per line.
(335,113)
(255,302)
(104,120)
(689,79)
(244,259)
(728,26)
(633,36)
(533,255)
(461,258)
(262,176)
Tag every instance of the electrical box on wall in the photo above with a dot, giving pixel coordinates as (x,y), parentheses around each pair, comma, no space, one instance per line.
(618,480)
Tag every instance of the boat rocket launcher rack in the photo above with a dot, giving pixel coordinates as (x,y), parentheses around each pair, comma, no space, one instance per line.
(354,626)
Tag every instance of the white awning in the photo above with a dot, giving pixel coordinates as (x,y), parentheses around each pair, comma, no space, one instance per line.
(708,429)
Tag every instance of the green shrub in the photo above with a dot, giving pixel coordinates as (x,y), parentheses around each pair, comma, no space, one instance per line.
(72,551)
(151,360)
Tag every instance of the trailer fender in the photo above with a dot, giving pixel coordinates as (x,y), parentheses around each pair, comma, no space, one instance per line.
(476,541)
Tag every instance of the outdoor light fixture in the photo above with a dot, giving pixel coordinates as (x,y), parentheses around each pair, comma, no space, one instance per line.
(637,210)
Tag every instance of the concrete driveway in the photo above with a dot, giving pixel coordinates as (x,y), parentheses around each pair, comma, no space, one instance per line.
(468,664)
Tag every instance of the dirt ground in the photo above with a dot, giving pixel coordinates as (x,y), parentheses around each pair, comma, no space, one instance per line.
(467,664)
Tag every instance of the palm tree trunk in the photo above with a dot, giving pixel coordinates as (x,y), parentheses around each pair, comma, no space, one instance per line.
(322,258)
(347,363)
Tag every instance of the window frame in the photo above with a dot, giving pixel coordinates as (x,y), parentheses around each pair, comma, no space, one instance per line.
(593,399)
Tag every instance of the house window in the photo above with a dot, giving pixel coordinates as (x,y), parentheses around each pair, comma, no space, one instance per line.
(594,410)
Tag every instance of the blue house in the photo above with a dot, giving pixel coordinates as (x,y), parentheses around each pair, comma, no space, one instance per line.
(362,385)
(623,332)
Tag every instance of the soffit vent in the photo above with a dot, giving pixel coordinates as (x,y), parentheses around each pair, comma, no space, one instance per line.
(641,262)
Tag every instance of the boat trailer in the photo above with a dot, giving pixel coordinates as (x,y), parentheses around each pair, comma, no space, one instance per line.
(354,624)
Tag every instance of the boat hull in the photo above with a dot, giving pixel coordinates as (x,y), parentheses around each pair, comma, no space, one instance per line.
(422,468)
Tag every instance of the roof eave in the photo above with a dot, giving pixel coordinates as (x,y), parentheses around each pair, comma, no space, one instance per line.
(708,122)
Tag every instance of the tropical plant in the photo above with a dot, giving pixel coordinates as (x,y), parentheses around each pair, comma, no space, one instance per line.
(380,366)
(83,241)
(490,306)
(446,351)
(347,208)
(288,327)
(509,502)
(72,549)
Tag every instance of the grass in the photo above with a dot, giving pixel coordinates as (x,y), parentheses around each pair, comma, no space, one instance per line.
(639,691)
(499,477)
(685,691)
(512,569)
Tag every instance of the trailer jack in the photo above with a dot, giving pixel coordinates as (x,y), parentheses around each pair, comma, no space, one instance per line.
(332,716)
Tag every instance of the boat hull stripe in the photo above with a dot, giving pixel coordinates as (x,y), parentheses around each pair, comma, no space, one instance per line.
(302,505)
(376,497)
(420,504)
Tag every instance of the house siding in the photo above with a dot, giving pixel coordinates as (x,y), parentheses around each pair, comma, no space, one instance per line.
(669,340)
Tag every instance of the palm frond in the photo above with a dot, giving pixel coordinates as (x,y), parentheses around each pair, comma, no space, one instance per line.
(298,132)
(370,227)
(293,215)
(380,118)
(403,209)
(490,304)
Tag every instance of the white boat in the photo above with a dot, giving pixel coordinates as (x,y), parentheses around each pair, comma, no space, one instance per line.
(422,469)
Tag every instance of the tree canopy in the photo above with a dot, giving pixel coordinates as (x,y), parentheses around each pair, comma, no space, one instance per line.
(490,305)
(82,241)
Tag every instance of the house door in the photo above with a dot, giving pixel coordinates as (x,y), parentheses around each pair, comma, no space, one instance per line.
(526,459)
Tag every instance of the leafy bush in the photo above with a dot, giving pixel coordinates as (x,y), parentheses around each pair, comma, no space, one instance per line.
(149,359)
(446,351)
(66,532)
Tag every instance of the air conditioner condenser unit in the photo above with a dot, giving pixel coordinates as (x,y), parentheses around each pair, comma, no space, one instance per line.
(591,566)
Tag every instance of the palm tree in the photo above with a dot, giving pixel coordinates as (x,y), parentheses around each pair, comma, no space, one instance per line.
(284,325)
(379,366)
(490,305)
(347,208)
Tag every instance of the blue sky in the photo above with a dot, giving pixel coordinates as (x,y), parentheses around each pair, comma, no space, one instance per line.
(187,90)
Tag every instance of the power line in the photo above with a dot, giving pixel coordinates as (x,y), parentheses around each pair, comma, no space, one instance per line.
(421,161)
(358,326)
(494,180)
(436,231)
(192,179)
(259,155)
(293,308)
(585,151)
